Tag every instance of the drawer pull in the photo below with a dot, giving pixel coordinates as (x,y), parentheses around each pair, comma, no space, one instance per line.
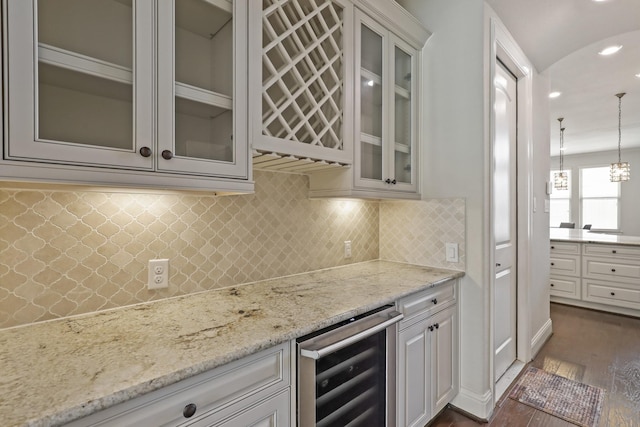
(614,251)
(430,328)
(553,247)
(552,264)
(437,325)
(552,285)
(613,294)
(434,301)
(613,270)
(189,410)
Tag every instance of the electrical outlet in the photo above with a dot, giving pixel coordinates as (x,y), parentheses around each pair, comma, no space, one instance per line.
(158,274)
(347,248)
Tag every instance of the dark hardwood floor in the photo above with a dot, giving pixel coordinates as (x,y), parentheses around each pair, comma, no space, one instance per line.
(592,347)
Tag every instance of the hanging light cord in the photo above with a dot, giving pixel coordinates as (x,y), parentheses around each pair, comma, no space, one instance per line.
(620,95)
(561,144)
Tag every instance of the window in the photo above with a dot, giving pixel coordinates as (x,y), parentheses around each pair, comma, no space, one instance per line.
(560,208)
(599,198)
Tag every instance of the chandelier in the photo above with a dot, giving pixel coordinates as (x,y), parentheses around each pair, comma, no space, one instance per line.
(620,171)
(561,179)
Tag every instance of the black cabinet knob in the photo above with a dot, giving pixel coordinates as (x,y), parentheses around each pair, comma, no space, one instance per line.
(613,294)
(430,328)
(145,151)
(552,285)
(552,264)
(437,325)
(434,301)
(614,251)
(189,410)
(390,181)
(613,270)
(167,155)
(553,247)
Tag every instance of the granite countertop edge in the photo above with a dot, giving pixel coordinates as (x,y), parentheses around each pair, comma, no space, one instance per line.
(60,413)
(585,236)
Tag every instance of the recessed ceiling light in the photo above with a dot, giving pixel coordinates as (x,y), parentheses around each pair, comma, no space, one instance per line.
(555,94)
(610,50)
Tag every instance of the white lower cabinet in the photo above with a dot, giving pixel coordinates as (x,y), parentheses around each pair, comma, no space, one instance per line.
(253,391)
(427,358)
(595,275)
(273,412)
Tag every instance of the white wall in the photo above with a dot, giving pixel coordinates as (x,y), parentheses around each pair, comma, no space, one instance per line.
(630,191)
(455,163)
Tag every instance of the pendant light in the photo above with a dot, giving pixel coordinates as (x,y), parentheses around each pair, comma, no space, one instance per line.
(561,179)
(620,171)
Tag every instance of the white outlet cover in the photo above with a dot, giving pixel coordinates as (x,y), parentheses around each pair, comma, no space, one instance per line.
(158,277)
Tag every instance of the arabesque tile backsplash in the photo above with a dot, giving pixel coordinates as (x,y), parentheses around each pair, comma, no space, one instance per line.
(69,251)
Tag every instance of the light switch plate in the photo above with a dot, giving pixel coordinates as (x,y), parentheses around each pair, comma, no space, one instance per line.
(451,252)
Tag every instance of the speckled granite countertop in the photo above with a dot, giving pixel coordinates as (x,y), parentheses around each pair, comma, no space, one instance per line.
(586,236)
(55,372)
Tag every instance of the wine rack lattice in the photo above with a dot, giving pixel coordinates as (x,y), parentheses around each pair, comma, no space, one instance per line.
(302,76)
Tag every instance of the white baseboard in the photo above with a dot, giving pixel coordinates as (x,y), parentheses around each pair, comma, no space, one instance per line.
(480,406)
(541,337)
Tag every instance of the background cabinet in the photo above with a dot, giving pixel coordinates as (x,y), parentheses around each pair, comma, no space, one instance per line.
(157,88)
(600,276)
(564,280)
(427,354)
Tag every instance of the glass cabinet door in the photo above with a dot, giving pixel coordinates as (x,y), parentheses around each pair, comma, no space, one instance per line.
(386,109)
(196,85)
(76,100)
(371,103)
(371,127)
(404,115)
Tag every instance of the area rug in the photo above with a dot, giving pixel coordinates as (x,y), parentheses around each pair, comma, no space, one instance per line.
(572,401)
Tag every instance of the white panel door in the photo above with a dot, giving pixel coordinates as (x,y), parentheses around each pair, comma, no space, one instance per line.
(504,214)
(414,385)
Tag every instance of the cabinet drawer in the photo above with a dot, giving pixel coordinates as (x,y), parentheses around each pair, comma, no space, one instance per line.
(256,377)
(427,301)
(612,269)
(615,251)
(567,287)
(606,293)
(566,265)
(565,247)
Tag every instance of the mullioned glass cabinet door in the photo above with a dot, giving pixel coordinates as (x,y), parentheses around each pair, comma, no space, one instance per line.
(79,91)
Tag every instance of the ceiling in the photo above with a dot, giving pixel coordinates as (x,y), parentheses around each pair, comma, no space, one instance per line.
(562,38)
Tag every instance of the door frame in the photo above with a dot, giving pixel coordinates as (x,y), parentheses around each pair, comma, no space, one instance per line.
(503,47)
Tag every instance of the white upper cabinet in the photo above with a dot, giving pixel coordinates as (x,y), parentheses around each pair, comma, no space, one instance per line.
(386,132)
(196,118)
(301,86)
(386,109)
(154,89)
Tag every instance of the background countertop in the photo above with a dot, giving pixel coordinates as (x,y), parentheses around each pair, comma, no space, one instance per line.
(585,236)
(55,372)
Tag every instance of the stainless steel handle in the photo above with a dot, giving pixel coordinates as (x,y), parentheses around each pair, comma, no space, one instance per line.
(335,346)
